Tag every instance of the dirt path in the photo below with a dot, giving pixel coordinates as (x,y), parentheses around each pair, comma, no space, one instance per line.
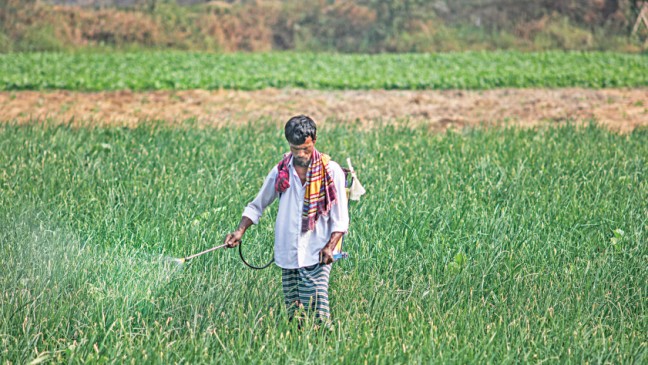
(619,109)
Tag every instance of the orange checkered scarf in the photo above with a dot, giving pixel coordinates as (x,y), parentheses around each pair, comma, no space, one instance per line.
(320,192)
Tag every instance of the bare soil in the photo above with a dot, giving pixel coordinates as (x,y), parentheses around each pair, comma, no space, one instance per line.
(621,110)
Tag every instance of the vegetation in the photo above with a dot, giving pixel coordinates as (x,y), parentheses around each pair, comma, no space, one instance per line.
(174,70)
(493,245)
(364,26)
(500,246)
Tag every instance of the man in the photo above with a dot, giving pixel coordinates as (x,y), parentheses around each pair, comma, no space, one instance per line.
(312,218)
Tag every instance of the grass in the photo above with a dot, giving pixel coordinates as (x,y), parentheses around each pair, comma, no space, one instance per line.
(498,246)
(179,71)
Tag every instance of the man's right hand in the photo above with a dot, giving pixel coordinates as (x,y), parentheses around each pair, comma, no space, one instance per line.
(233,239)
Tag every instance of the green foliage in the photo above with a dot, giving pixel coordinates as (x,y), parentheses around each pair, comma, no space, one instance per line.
(181,27)
(6,44)
(173,70)
(460,38)
(561,34)
(364,26)
(500,246)
(40,38)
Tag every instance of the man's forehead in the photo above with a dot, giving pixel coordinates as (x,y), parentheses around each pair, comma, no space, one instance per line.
(307,143)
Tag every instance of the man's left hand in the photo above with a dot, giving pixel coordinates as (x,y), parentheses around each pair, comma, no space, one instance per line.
(326,256)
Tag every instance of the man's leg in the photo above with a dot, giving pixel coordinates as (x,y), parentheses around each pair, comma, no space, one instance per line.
(289,283)
(313,290)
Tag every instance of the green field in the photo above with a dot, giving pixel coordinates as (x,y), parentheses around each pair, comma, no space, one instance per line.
(480,246)
(175,70)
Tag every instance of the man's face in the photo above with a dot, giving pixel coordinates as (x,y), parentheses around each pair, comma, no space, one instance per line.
(302,153)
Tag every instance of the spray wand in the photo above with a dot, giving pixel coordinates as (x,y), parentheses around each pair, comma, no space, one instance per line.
(185,259)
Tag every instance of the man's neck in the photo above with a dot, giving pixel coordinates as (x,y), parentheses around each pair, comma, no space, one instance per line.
(301,172)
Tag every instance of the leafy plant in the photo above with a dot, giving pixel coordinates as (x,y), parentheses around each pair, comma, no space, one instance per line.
(174,70)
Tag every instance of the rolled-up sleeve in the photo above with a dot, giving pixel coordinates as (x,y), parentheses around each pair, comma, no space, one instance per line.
(265,197)
(339,214)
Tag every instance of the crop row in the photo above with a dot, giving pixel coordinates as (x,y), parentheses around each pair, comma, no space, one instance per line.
(176,71)
(499,246)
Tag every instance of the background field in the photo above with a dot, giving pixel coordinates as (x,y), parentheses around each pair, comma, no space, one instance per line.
(181,71)
(498,245)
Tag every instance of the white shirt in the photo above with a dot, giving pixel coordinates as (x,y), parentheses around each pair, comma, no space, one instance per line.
(292,248)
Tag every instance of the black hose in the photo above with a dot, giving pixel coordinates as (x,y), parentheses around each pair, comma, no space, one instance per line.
(252,266)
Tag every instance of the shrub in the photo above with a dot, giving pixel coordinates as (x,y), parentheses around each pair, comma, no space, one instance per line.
(6,45)
(560,33)
(38,38)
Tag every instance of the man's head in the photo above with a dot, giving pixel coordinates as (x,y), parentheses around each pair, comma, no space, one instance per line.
(301,133)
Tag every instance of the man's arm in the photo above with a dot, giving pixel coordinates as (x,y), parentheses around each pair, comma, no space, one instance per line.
(254,210)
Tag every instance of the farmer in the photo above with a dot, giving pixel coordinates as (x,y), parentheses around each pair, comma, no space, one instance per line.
(312,218)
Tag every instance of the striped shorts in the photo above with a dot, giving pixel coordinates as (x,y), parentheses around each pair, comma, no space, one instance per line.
(307,287)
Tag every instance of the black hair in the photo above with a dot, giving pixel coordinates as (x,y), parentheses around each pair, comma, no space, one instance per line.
(299,128)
